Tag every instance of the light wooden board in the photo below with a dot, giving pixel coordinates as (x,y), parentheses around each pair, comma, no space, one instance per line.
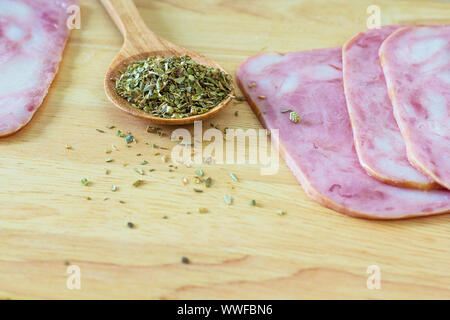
(237,251)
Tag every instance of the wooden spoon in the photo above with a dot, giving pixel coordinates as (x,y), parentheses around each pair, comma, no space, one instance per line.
(140,43)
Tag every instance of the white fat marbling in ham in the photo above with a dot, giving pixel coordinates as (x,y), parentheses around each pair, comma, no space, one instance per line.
(416,64)
(378,141)
(33,34)
(319,149)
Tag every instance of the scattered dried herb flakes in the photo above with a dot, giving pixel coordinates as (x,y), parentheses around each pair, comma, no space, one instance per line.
(208,182)
(144,162)
(175,87)
(252,202)
(114,188)
(198,190)
(68,147)
(131,225)
(281,212)
(85,182)
(99,130)
(109,160)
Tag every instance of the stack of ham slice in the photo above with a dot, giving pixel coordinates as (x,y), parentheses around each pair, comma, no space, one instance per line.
(33,34)
(374,139)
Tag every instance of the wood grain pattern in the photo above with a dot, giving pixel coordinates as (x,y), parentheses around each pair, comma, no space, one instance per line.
(236,251)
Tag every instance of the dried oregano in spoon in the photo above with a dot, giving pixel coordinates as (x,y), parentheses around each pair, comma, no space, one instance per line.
(175,87)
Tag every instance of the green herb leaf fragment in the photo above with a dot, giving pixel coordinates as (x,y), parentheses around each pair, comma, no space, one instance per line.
(138,183)
(140,171)
(233,177)
(294,117)
(185,260)
(129,138)
(228,199)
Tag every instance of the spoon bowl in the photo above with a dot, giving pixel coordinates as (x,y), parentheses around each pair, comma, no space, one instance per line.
(139,44)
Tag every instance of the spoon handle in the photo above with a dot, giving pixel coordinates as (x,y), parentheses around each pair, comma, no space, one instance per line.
(127,18)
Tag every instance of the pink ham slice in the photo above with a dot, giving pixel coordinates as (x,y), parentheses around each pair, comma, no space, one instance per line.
(319,150)
(33,34)
(378,141)
(416,64)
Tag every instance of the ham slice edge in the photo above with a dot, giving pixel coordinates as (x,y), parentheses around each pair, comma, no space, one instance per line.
(33,35)
(378,141)
(285,76)
(416,64)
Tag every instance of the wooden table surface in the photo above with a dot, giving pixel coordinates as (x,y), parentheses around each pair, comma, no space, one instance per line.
(236,251)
